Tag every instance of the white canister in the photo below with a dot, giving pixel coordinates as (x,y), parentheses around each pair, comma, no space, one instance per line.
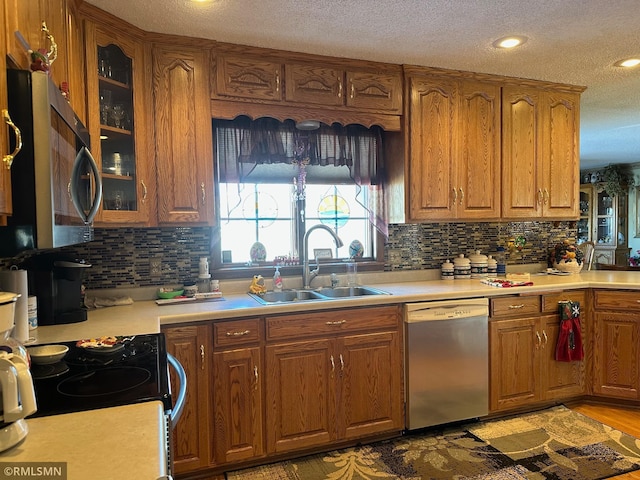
(32,312)
(492,266)
(461,267)
(447,270)
(479,265)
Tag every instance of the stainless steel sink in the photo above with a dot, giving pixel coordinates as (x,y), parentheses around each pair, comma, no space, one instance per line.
(324,293)
(345,292)
(287,296)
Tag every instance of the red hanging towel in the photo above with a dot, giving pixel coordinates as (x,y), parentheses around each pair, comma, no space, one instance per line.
(569,346)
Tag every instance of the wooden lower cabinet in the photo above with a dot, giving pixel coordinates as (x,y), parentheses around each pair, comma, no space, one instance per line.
(326,390)
(523,369)
(237,405)
(190,345)
(616,358)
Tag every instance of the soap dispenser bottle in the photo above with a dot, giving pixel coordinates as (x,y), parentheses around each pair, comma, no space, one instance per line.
(277,280)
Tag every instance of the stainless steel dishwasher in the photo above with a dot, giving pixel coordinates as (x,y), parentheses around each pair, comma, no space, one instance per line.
(447,361)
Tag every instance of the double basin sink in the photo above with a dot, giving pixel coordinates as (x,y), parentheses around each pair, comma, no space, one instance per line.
(324,293)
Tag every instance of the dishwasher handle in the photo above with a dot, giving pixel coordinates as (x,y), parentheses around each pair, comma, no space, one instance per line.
(453,312)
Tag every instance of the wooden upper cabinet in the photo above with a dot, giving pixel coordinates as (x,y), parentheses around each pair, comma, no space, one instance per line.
(540,153)
(374,91)
(289,82)
(560,151)
(24,16)
(5,173)
(184,143)
(247,78)
(314,84)
(454,149)
(116,78)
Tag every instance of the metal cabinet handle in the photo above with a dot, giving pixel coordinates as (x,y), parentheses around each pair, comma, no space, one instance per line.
(546,339)
(8,159)
(461,195)
(69,191)
(204,193)
(52,54)
(339,88)
(255,376)
(539,340)
(546,197)
(277,82)
(337,322)
(144,191)
(237,334)
(202,357)
(353,90)
(341,363)
(333,364)
(455,195)
(516,307)
(540,196)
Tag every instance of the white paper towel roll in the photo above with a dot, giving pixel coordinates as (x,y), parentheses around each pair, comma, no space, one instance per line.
(17,281)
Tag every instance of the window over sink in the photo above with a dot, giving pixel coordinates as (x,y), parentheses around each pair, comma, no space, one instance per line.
(275,182)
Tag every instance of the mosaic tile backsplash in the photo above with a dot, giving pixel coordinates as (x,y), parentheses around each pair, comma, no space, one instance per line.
(120,257)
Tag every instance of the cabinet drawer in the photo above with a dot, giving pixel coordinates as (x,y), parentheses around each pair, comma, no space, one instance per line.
(617,300)
(550,300)
(236,332)
(515,306)
(330,321)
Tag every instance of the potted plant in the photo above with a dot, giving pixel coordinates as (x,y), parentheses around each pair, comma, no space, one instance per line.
(616,180)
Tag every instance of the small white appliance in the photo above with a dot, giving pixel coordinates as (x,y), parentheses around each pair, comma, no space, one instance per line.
(17,395)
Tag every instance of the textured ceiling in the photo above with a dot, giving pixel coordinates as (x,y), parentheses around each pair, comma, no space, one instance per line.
(569,41)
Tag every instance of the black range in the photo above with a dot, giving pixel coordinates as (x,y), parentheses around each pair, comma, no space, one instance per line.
(132,371)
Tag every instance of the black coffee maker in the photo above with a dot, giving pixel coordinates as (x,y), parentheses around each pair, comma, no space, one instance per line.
(56,281)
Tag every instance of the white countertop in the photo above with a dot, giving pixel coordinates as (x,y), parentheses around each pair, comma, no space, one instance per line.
(147,317)
(118,442)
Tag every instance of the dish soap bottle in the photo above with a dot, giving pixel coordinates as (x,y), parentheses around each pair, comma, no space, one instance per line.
(277,280)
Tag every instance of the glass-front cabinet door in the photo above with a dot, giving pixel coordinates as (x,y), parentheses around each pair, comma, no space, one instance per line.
(116,97)
(585,227)
(605,220)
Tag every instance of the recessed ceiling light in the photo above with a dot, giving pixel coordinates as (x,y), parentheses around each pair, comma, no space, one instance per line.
(510,41)
(627,62)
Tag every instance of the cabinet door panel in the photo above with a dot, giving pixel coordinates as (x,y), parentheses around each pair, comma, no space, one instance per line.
(190,345)
(562,181)
(433,126)
(247,78)
(370,393)
(616,355)
(184,147)
(300,395)
(313,84)
(478,174)
(5,173)
(560,379)
(374,91)
(521,189)
(514,363)
(237,405)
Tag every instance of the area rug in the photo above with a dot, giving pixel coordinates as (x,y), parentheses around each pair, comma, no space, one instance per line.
(553,444)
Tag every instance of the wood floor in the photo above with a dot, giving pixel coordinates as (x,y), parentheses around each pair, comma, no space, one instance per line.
(624,419)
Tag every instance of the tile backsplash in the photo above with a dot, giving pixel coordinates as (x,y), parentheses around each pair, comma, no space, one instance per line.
(121,257)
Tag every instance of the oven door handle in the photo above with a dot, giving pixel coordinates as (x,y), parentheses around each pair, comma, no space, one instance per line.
(176,411)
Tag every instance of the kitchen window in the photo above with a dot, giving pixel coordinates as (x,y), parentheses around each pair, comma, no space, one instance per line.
(275,182)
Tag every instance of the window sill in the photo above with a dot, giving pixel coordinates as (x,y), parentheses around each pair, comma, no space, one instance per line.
(242,271)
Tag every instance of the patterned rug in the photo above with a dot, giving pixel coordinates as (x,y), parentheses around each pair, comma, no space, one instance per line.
(553,444)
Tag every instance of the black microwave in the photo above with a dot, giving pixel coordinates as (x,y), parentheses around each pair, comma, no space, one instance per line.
(55,182)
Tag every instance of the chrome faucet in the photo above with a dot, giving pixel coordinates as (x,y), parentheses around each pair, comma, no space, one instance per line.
(308,276)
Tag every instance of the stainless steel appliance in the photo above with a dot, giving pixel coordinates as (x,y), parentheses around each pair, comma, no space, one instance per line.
(134,370)
(56,184)
(447,361)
